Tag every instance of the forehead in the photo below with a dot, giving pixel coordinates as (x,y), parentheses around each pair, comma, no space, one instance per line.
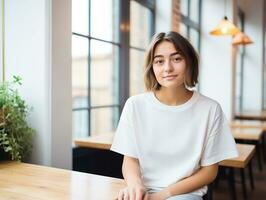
(164,48)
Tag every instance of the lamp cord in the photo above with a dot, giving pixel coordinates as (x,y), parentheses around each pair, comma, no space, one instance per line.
(225,7)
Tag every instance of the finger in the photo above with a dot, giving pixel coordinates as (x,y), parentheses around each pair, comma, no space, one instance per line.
(126,195)
(140,194)
(120,195)
(146,196)
(132,194)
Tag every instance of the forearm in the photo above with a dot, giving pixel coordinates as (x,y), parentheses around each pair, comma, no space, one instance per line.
(202,177)
(132,176)
(131,171)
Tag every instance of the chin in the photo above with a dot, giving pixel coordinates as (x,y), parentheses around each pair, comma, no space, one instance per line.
(172,85)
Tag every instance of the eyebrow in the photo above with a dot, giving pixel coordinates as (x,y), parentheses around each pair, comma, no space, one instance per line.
(172,54)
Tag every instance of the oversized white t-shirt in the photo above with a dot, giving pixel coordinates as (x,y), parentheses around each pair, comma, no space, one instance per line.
(172,142)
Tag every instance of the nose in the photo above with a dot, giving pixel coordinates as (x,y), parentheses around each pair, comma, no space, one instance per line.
(168,66)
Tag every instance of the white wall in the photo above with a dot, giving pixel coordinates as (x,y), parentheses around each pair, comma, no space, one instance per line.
(26,56)
(1,42)
(38,39)
(61,87)
(253,66)
(216,56)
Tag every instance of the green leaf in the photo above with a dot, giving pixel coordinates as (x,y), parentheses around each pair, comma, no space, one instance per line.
(15,133)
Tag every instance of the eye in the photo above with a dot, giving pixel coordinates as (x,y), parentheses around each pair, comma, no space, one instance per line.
(158,61)
(177,59)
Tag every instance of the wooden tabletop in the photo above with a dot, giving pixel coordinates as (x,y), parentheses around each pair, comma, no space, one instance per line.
(252,115)
(247,133)
(21,181)
(246,152)
(248,124)
(98,142)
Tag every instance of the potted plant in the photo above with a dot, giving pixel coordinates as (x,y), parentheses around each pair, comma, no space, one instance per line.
(15,133)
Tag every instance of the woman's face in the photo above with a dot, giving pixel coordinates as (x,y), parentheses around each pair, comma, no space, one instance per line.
(168,65)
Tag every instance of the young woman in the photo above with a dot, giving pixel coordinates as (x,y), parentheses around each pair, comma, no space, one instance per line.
(172,137)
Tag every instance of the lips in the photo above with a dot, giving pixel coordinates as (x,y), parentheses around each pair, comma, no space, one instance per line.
(170,76)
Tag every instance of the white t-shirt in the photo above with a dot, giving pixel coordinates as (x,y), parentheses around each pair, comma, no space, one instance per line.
(172,142)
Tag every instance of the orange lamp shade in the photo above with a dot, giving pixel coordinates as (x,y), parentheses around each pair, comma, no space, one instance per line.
(225,27)
(241,38)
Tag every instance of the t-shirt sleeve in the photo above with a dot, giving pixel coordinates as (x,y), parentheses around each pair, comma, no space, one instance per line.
(124,141)
(220,144)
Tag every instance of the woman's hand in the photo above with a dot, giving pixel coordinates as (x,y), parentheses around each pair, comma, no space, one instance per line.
(162,195)
(133,192)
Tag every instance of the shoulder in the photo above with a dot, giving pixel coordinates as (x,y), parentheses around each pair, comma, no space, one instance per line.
(139,98)
(208,101)
(205,103)
(137,101)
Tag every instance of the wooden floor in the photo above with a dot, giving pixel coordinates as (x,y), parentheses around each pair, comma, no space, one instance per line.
(222,191)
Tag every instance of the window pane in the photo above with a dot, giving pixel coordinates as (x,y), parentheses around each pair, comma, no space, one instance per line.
(194,38)
(140,24)
(136,72)
(80,124)
(80,16)
(104,120)
(104,19)
(104,73)
(184,7)
(194,10)
(183,29)
(79,71)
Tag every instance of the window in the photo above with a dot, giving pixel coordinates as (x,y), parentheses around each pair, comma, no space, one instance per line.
(103,56)
(140,33)
(95,47)
(190,21)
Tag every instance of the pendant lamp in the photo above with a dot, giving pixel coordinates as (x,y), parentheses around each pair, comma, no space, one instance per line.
(225,27)
(241,38)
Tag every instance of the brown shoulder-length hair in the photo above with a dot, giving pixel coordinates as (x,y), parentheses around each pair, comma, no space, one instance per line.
(183,46)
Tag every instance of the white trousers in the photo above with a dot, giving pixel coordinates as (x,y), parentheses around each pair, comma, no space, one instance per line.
(186,197)
(180,197)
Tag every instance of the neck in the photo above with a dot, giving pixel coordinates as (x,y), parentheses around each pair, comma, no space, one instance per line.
(173,96)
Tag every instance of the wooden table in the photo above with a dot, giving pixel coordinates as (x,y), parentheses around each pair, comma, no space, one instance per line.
(21,181)
(246,152)
(252,136)
(255,134)
(251,115)
(248,124)
(93,155)
(97,142)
